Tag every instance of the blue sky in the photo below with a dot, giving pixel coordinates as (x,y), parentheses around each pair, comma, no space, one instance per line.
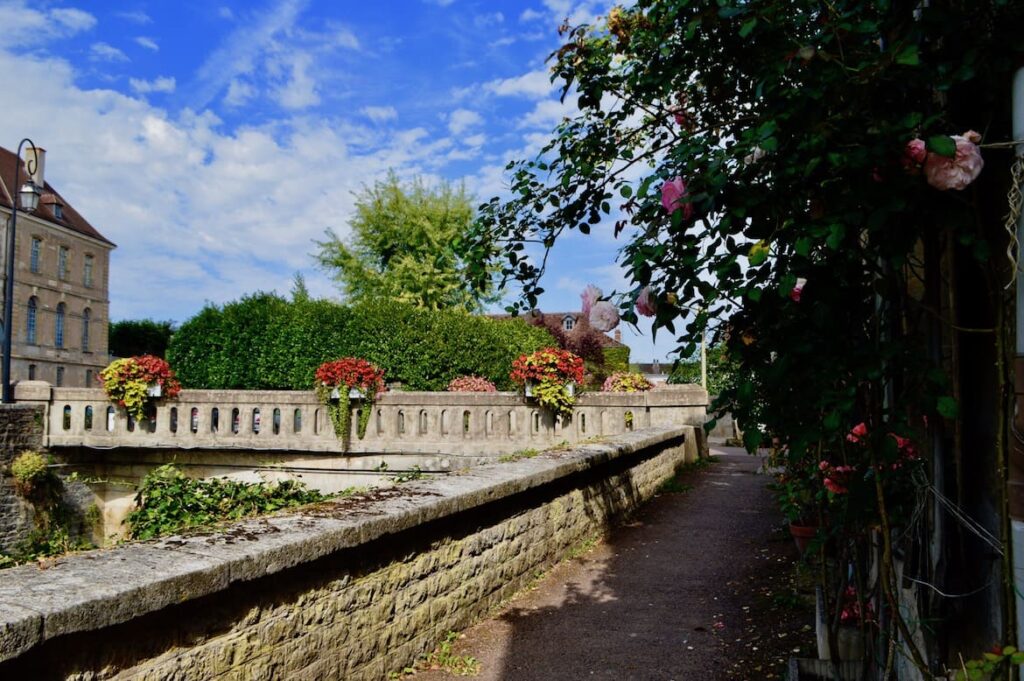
(215,141)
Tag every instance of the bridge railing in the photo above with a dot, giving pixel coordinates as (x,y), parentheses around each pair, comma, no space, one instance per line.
(478,423)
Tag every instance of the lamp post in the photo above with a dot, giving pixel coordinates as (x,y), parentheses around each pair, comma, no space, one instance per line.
(27,200)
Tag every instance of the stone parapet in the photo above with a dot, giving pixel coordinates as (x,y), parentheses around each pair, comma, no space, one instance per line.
(337,590)
(481,424)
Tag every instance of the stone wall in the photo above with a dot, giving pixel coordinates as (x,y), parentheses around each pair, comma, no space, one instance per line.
(344,590)
(21,428)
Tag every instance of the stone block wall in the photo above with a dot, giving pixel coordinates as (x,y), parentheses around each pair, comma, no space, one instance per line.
(21,428)
(371,608)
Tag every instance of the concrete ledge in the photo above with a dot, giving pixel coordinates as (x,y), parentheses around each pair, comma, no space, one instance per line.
(96,589)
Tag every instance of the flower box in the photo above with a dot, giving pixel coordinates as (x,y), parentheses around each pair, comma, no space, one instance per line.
(154,390)
(353,394)
(528,387)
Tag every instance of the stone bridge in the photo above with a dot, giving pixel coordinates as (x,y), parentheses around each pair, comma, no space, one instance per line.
(474,424)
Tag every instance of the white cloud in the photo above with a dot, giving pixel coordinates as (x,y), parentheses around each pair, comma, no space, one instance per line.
(106,52)
(242,49)
(148,43)
(461,120)
(530,15)
(548,113)
(161,84)
(239,92)
(225,13)
(476,140)
(25,26)
(379,114)
(483,21)
(299,91)
(137,17)
(535,84)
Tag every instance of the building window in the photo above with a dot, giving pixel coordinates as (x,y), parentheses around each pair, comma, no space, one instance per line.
(37,246)
(86,315)
(62,262)
(58,329)
(58,211)
(568,322)
(31,372)
(30,320)
(88,379)
(87,276)
(60,376)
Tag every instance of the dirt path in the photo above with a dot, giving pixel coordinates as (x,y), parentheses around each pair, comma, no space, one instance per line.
(672,595)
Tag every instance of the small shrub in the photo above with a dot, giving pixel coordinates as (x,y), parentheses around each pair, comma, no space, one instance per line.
(626,382)
(30,471)
(471,384)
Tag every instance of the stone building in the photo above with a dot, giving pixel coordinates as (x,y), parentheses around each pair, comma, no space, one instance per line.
(61,301)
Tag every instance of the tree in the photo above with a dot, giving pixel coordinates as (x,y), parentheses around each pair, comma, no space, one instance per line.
(131,337)
(405,246)
(806,174)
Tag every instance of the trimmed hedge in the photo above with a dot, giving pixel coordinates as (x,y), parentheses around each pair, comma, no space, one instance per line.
(264,342)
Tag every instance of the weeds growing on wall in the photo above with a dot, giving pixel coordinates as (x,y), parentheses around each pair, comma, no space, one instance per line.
(169,501)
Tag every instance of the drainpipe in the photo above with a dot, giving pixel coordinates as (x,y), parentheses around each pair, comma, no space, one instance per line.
(1015,484)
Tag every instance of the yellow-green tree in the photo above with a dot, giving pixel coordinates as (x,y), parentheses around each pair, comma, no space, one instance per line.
(405,245)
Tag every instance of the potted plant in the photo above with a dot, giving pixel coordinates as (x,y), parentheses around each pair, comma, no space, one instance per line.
(341,381)
(550,376)
(626,382)
(135,383)
(471,384)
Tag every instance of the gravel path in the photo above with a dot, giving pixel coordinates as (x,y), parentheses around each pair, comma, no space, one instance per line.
(657,600)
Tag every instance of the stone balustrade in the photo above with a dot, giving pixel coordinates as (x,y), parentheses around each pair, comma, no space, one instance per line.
(481,424)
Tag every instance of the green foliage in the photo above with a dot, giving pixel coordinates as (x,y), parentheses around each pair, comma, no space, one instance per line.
(405,246)
(169,501)
(995,664)
(30,469)
(615,359)
(721,370)
(518,455)
(264,342)
(131,337)
(444,658)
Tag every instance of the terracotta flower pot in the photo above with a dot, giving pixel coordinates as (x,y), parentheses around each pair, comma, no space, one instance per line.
(802,535)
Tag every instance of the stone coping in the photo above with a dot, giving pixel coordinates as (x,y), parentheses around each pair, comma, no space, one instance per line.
(95,589)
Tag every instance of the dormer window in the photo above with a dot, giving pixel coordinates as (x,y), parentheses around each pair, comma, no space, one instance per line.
(58,211)
(568,322)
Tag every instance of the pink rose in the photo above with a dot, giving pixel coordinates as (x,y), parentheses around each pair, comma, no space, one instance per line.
(603,316)
(957,172)
(590,295)
(645,304)
(798,289)
(673,197)
(915,151)
(859,431)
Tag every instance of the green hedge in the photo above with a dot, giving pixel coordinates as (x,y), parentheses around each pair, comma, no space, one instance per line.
(265,342)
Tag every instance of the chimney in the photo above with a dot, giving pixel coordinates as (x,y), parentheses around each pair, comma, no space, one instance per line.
(618,336)
(38,163)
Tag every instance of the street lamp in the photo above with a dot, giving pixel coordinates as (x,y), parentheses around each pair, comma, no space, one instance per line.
(28,199)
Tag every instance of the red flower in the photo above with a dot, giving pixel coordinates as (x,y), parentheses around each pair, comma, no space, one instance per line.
(859,431)
(351,372)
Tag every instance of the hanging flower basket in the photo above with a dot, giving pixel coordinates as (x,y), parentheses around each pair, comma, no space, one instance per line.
(353,394)
(550,376)
(136,383)
(341,381)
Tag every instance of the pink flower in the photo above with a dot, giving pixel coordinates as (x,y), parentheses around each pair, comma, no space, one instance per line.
(834,487)
(958,172)
(645,303)
(590,295)
(673,197)
(823,466)
(798,289)
(915,151)
(859,431)
(604,316)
